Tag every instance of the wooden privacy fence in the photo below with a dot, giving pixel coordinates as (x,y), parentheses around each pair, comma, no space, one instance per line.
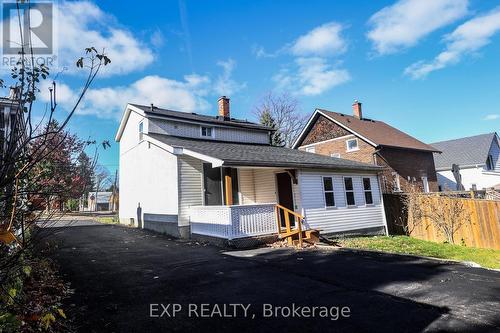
(483,229)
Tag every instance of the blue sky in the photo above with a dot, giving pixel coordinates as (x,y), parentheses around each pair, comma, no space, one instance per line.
(429,68)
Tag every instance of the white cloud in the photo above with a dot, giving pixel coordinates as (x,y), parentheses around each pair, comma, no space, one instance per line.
(492,117)
(260,52)
(190,94)
(406,22)
(186,95)
(225,85)
(311,72)
(465,39)
(312,76)
(324,40)
(64,94)
(157,39)
(83,24)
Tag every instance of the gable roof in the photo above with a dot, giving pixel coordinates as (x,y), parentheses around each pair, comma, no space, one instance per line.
(257,155)
(376,133)
(184,116)
(200,118)
(468,151)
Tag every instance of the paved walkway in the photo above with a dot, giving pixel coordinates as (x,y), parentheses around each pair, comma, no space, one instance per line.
(119,272)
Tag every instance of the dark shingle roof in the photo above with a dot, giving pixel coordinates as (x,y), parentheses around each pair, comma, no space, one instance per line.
(471,150)
(201,118)
(242,154)
(379,132)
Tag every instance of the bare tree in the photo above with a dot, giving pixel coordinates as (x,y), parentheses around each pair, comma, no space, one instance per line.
(446,214)
(102,180)
(282,110)
(25,147)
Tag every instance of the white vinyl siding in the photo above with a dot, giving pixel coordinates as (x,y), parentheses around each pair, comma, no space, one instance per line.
(257,186)
(189,130)
(190,186)
(151,185)
(341,218)
(265,186)
(247,188)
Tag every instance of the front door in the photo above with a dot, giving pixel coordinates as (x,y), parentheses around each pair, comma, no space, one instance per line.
(212,185)
(285,196)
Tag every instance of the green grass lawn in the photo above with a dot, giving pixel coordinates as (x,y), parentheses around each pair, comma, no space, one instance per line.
(108,219)
(407,245)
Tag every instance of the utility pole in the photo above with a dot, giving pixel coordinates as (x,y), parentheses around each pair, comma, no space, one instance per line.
(113,208)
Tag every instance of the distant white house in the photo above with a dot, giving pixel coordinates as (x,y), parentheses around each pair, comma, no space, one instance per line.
(188,175)
(478,158)
(98,201)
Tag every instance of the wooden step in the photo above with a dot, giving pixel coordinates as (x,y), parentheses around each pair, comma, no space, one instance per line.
(311,236)
(288,234)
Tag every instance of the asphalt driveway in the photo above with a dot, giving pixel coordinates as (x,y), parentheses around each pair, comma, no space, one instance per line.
(124,280)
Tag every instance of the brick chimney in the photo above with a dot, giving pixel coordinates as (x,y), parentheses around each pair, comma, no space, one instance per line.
(224,107)
(356,110)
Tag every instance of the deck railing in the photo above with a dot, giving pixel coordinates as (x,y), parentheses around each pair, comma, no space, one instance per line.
(288,231)
(232,222)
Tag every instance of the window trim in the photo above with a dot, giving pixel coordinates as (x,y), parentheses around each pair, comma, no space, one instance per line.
(141,130)
(489,163)
(370,190)
(325,191)
(347,144)
(345,191)
(212,131)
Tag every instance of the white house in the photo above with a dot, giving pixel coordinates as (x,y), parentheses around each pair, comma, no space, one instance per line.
(188,175)
(478,158)
(98,201)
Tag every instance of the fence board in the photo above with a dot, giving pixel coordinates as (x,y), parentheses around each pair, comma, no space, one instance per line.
(482,231)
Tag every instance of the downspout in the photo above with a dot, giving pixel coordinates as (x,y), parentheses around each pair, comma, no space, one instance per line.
(375,154)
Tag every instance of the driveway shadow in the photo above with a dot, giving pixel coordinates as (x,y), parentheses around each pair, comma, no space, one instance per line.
(118,272)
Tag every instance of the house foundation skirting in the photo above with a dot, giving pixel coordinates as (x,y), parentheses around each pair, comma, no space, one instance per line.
(374,231)
(238,243)
(163,224)
(171,229)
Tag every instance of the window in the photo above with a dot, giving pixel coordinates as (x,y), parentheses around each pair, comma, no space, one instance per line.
(310,149)
(367,186)
(328,189)
(207,131)
(141,130)
(352,145)
(425,183)
(349,191)
(337,155)
(489,163)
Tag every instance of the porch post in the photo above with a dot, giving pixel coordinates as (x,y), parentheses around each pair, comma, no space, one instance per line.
(228,186)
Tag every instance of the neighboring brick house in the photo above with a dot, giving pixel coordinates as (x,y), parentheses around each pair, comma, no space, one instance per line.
(407,159)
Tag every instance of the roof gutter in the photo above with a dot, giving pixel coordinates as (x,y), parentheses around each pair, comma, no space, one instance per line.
(178,150)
